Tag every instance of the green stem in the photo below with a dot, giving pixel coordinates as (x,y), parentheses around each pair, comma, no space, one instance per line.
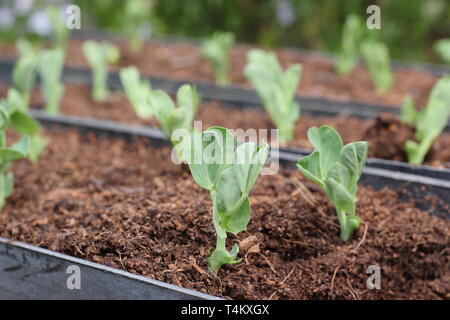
(345,233)
(348,223)
(220,243)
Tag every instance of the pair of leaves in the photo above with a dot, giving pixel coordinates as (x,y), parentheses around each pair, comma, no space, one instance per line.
(216,50)
(171,118)
(99,55)
(137,91)
(229,173)
(276,89)
(429,122)
(50,70)
(336,169)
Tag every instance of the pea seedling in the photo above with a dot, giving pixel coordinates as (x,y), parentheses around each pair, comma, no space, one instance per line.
(171,118)
(229,173)
(429,122)
(336,169)
(355,42)
(276,89)
(24,71)
(15,114)
(347,57)
(60,32)
(376,55)
(50,71)
(137,91)
(135,16)
(8,155)
(99,55)
(216,50)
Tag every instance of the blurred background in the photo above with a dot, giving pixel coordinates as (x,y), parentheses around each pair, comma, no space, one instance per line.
(409,27)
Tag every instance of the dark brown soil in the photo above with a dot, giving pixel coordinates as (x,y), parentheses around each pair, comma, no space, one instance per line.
(386,136)
(182,61)
(127,206)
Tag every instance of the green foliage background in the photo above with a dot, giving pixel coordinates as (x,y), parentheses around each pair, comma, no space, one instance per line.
(409,27)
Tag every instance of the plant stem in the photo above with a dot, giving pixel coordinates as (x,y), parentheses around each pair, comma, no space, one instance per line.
(345,230)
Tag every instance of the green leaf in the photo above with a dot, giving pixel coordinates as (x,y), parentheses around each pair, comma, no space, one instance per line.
(339,196)
(187,97)
(329,144)
(353,157)
(16,101)
(138,92)
(209,155)
(8,184)
(24,123)
(4,115)
(239,220)
(249,160)
(309,166)
(408,111)
(16,151)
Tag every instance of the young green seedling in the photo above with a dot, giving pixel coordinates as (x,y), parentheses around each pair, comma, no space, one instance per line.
(442,47)
(15,114)
(137,91)
(24,71)
(349,53)
(50,71)
(336,169)
(276,89)
(135,16)
(171,118)
(8,155)
(229,173)
(99,55)
(429,122)
(60,32)
(216,50)
(376,55)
